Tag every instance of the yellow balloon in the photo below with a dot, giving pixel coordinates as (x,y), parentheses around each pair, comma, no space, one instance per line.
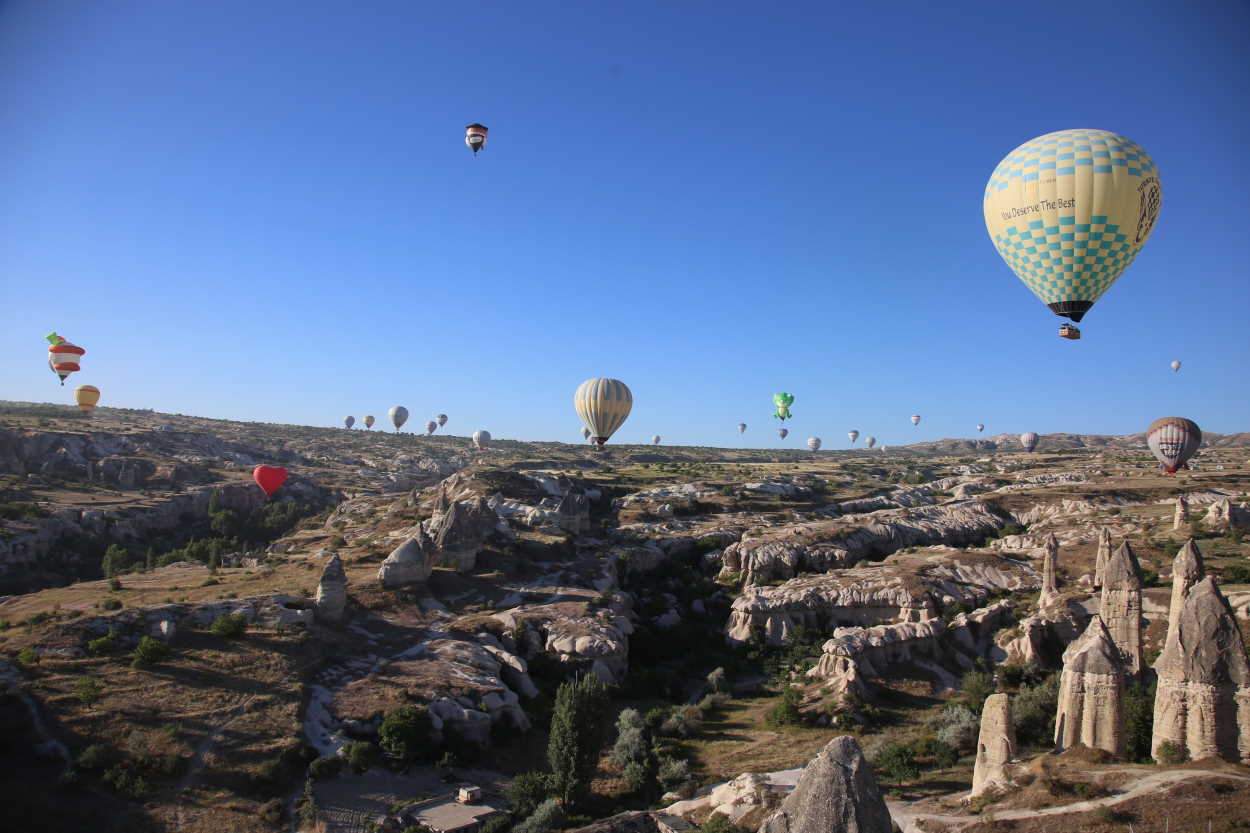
(603,405)
(86,396)
(1069,211)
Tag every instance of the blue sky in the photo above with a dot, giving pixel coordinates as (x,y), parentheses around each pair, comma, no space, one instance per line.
(266,211)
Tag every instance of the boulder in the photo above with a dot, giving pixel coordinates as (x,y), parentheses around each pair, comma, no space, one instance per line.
(837,791)
(409,563)
(331,601)
(460,533)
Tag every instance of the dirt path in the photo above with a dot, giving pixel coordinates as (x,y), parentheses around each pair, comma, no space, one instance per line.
(906,818)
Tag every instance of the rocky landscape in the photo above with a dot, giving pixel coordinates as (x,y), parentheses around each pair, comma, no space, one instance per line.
(948,636)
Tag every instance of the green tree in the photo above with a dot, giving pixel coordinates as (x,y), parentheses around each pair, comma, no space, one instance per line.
(546,818)
(149,652)
(1033,711)
(115,562)
(786,713)
(1139,721)
(898,762)
(405,733)
(28,658)
(527,791)
(717,823)
(578,726)
(360,755)
(977,686)
(149,560)
(229,625)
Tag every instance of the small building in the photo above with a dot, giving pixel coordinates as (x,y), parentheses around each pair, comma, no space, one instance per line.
(469,795)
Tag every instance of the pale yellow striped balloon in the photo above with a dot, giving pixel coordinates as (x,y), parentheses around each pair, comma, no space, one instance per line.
(603,405)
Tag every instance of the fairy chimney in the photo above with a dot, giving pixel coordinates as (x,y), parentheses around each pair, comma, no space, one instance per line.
(996,745)
(1187,569)
(1050,563)
(1121,606)
(1091,693)
(1104,552)
(1181,515)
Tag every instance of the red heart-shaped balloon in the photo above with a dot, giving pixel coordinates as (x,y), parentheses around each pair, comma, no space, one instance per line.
(269,478)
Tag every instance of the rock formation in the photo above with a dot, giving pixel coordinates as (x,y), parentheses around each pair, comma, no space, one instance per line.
(1202,704)
(574,512)
(409,563)
(332,592)
(1121,606)
(1100,561)
(461,532)
(1050,563)
(1224,515)
(996,745)
(836,791)
(1091,693)
(1181,515)
(1187,570)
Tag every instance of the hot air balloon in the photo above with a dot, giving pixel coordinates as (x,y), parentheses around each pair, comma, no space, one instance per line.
(585,433)
(813,443)
(398,415)
(915,419)
(1173,440)
(783,432)
(870,442)
(86,396)
(430,427)
(1029,440)
(782,403)
(442,420)
(655,440)
(63,357)
(854,435)
(348,422)
(742,427)
(603,405)
(269,478)
(475,137)
(481,439)
(369,420)
(1176,366)
(980,427)
(1069,211)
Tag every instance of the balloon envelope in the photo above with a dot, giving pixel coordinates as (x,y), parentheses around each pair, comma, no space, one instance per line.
(348,422)
(742,427)
(781,404)
(655,440)
(442,419)
(475,136)
(915,419)
(431,427)
(64,358)
(813,443)
(1173,440)
(1176,366)
(603,405)
(980,427)
(398,415)
(783,432)
(481,439)
(1069,211)
(269,478)
(369,420)
(585,433)
(1029,440)
(870,442)
(854,435)
(86,396)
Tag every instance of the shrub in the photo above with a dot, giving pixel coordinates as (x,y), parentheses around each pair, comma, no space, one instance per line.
(1171,754)
(631,747)
(943,755)
(125,782)
(106,644)
(96,756)
(229,625)
(546,817)
(656,717)
(115,584)
(673,771)
(148,652)
(498,824)
(111,604)
(307,805)
(1033,710)
(959,728)
(359,755)
(786,712)
(977,686)
(1235,573)
(326,766)
(713,702)
(716,680)
(405,733)
(717,823)
(28,658)
(87,690)
(678,726)
(527,791)
(898,762)
(1139,720)
(637,776)
(115,561)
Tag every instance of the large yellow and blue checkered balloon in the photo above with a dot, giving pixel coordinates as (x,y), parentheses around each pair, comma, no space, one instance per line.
(1069,211)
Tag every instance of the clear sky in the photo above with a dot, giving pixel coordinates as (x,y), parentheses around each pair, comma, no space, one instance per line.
(266,211)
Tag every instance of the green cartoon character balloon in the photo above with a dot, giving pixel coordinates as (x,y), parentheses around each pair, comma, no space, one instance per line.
(783,401)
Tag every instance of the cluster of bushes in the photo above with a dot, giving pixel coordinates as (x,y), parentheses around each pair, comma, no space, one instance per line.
(901,762)
(229,626)
(146,753)
(21,512)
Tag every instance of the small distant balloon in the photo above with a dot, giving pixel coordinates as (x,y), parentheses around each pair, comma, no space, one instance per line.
(86,396)
(475,137)
(1176,366)
(442,420)
(369,420)
(1029,440)
(655,440)
(870,442)
(781,404)
(585,433)
(348,422)
(783,432)
(854,435)
(430,427)
(269,478)
(481,439)
(813,443)
(915,419)
(398,415)
(742,427)
(980,427)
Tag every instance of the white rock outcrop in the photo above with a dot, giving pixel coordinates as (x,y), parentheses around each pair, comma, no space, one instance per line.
(409,563)
(996,745)
(1091,693)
